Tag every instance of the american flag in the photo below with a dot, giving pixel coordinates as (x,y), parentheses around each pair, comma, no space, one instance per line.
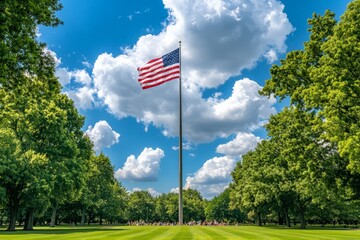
(160,70)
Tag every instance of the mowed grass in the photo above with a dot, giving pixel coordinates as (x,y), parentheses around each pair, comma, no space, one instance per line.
(180,232)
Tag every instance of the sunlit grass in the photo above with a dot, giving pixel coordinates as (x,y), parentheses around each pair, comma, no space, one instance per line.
(183,232)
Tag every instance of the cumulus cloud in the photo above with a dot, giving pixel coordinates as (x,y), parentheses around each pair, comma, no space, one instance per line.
(215,174)
(152,191)
(63,75)
(203,119)
(174,190)
(83,96)
(242,143)
(81,76)
(143,168)
(102,135)
(213,177)
(220,38)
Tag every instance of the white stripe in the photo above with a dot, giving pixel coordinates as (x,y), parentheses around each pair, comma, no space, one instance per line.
(160,80)
(159,75)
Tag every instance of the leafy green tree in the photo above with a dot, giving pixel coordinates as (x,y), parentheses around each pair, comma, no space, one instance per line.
(114,210)
(172,206)
(141,206)
(337,83)
(20,52)
(17,170)
(219,209)
(103,194)
(56,132)
(311,162)
(161,209)
(251,189)
(325,77)
(193,206)
(26,79)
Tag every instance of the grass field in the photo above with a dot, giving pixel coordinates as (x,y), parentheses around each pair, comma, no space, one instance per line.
(183,232)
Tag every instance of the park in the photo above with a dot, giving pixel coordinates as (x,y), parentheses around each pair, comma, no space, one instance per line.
(300,181)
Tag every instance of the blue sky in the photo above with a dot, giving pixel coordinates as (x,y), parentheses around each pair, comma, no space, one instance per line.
(228,48)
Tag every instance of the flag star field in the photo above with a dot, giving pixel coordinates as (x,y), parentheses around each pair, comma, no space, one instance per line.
(227,50)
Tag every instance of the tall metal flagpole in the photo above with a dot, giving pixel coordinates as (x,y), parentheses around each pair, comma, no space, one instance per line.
(180,146)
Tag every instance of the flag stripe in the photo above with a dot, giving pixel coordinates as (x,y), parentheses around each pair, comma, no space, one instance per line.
(175,73)
(150,65)
(160,82)
(160,70)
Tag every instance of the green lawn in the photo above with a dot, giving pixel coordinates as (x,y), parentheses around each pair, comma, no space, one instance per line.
(184,232)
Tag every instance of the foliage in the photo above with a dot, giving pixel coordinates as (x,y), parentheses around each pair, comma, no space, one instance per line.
(218,209)
(325,77)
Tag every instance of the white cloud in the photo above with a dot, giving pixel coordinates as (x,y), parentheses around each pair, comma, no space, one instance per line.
(203,119)
(213,177)
(220,38)
(271,56)
(242,143)
(83,97)
(230,34)
(143,168)
(86,64)
(63,75)
(152,191)
(174,190)
(102,135)
(186,146)
(81,76)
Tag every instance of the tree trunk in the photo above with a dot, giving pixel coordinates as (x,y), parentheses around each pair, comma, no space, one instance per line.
(13,206)
(301,210)
(12,218)
(281,218)
(29,220)
(89,218)
(287,218)
(53,216)
(83,215)
(101,215)
(259,218)
(302,219)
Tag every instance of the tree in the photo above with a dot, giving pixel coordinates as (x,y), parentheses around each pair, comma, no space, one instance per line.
(253,179)
(337,83)
(218,209)
(20,52)
(193,206)
(311,162)
(141,206)
(26,79)
(103,195)
(325,77)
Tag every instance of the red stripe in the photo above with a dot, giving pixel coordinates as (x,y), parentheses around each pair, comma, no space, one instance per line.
(148,80)
(159,83)
(149,64)
(158,71)
(176,74)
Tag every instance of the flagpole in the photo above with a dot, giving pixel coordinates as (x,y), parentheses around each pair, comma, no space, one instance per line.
(180,146)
